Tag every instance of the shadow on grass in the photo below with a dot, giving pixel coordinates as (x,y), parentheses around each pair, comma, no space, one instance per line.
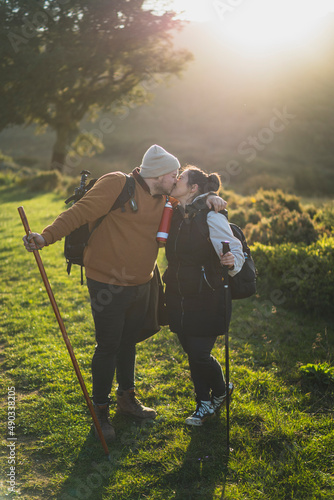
(279,338)
(94,472)
(318,397)
(204,466)
(92,486)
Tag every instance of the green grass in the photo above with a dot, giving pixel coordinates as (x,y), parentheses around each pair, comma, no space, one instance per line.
(281,419)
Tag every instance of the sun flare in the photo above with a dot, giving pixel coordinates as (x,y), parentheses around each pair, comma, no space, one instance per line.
(258,26)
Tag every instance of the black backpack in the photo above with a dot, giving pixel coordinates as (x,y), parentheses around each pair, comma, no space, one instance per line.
(242,284)
(76,242)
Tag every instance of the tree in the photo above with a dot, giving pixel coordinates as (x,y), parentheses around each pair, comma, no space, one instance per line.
(63,60)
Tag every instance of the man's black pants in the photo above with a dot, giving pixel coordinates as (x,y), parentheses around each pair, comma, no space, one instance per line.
(119,313)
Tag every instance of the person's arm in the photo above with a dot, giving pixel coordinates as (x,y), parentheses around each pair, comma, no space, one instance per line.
(215,202)
(96,203)
(206,200)
(219,230)
(211,200)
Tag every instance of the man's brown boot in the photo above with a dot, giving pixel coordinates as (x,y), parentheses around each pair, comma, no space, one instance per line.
(102,413)
(128,404)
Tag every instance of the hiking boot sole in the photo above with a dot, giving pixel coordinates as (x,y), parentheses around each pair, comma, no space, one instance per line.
(141,417)
(198,422)
(109,434)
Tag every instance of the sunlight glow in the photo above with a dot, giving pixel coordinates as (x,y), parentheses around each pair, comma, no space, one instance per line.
(261,25)
(258,26)
(192,10)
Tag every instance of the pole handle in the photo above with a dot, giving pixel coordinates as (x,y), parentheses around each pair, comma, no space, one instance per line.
(24,220)
(225,247)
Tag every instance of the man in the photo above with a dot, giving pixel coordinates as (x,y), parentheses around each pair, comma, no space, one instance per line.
(119,262)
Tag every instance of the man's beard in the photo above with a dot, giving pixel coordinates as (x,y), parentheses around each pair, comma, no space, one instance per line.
(164,191)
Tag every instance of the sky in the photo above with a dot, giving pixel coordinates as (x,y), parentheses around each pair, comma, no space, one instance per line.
(258,25)
(203,10)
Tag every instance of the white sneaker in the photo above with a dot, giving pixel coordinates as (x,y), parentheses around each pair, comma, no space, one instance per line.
(218,402)
(203,411)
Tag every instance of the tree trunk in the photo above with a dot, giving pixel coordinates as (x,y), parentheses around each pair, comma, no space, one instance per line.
(60,149)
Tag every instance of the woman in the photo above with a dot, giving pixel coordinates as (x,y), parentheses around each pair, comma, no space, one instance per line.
(194,290)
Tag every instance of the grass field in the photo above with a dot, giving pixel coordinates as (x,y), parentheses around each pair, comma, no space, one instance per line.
(282,435)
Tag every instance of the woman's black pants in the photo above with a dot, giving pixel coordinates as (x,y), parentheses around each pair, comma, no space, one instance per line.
(206,372)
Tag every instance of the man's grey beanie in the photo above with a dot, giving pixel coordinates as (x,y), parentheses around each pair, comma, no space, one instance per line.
(157,161)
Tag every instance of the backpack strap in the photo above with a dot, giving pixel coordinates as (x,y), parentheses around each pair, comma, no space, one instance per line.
(125,195)
(200,217)
(238,233)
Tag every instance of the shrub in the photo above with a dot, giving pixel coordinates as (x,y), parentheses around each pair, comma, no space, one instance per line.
(311,210)
(235,201)
(254,216)
(325,218)
(7,179)
(272,217)
(283,227)
(297,276)
(27,161)
(43,181)
(238,217)
(321,374)
(242,216)
(6,159)
(272,202)
(26,172)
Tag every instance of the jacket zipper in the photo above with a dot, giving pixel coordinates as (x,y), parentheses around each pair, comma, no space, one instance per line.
(206,279)
(177,276)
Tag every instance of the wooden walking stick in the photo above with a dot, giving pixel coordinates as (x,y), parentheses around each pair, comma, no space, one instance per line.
(63,331)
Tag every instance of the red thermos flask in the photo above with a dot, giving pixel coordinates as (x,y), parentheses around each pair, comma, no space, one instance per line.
(165,222)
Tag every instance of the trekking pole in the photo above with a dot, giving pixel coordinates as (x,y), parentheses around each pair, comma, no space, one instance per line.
(63,331)
(226,248)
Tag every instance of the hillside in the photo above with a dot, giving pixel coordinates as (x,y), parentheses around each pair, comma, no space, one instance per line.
(258,122)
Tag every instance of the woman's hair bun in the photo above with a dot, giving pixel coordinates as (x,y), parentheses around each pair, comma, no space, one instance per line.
(206,182)
(213,182)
